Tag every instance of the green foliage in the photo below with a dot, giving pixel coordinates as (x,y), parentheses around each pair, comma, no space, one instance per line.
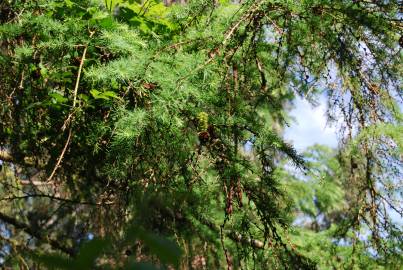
(118,111)
(92,250)
(322,199)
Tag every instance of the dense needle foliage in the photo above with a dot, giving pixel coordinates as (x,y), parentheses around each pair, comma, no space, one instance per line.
(126,122)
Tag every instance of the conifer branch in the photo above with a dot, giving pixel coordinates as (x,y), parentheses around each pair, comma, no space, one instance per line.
(234,236)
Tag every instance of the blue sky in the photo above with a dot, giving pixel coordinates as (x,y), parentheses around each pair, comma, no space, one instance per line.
(310,126)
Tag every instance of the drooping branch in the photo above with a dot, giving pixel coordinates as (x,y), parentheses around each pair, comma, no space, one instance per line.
(234,236)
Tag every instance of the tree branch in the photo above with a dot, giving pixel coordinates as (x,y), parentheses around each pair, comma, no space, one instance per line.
(55,198)
(38,235)
(234,236)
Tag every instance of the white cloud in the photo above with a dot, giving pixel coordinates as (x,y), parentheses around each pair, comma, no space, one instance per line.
(310,126)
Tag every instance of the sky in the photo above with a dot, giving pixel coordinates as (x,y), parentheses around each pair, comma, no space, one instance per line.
(310,126)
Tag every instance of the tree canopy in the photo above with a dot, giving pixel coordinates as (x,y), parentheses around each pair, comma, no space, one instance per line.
(123,126)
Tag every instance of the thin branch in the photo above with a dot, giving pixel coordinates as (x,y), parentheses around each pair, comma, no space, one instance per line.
(38,235)
(51,197)
(227,258)
(33,183)
(228,35)
(234,236)
(66,123)
(59,160)
(80,69)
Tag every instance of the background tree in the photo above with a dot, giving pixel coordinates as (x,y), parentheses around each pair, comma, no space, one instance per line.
(126,120)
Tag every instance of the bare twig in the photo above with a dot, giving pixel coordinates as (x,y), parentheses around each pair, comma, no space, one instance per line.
(69,118)
(59,160)
(80,69)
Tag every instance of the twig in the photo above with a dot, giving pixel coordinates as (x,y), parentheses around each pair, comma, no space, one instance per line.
(80,69)
(143,6)
(51,197)
(227,37)
(244,18)
(227,258)
(69,118)
(59,160)
(278,29)
(33,183)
